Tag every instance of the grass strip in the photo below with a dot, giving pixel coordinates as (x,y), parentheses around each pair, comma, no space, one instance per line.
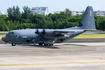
(1,36)
(89,36)
(3,31)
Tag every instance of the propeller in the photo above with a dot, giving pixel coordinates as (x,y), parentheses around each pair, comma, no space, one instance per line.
(43,32)
(40,35)
(37,32)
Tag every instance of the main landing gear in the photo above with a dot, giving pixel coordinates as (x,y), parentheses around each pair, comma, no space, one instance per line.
(40,44)
(45,44)
(50,44)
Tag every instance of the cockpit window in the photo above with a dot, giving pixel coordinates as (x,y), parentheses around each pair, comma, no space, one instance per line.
(11,32)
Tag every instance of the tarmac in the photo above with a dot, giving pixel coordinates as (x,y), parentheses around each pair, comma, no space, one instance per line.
(61,56)
(78,40)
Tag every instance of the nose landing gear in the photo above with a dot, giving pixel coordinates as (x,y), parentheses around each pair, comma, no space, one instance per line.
(13,44)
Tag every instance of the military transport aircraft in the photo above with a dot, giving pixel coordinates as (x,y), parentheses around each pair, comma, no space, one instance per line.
(50,36)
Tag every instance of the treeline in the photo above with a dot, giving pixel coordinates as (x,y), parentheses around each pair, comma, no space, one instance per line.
(25,19)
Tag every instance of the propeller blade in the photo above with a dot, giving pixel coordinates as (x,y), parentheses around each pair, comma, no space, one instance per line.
(44,32)
(37,32)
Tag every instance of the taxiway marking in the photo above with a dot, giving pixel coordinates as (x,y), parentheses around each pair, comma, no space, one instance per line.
(51,63)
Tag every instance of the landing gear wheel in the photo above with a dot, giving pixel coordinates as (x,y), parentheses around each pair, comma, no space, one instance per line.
(45,44)
(40,44)
(13,44)
(50,44)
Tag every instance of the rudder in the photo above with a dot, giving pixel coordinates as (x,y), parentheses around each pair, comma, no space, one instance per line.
(87,22)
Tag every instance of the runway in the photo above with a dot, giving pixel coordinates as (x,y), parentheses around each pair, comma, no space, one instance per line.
(3,33)
(77,40)
(61,56)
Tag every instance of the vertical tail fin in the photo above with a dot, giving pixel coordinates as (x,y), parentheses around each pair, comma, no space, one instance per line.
(87,22)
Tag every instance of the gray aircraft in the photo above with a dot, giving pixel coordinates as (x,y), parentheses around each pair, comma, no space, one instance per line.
(51,36)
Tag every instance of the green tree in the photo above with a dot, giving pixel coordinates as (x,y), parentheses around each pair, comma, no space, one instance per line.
(14,13)
(3,26)
(68,13)
(26,14)
(9,11)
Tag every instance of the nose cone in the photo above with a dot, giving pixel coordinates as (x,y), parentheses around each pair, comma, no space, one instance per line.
(3,38)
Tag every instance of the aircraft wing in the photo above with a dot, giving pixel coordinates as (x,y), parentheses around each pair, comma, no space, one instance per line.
(65,31)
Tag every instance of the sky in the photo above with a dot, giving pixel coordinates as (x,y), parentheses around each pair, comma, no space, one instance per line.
(73,5)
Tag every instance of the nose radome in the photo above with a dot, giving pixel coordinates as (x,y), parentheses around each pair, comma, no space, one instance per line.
(3,38)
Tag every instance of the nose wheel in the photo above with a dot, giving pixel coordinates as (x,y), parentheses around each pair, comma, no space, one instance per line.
(13,44)
(45,44)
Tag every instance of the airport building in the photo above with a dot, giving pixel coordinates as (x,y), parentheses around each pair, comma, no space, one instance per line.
(99,13)
(3,14)
(77,12)
(73,12)
(40,10)
(58,11)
